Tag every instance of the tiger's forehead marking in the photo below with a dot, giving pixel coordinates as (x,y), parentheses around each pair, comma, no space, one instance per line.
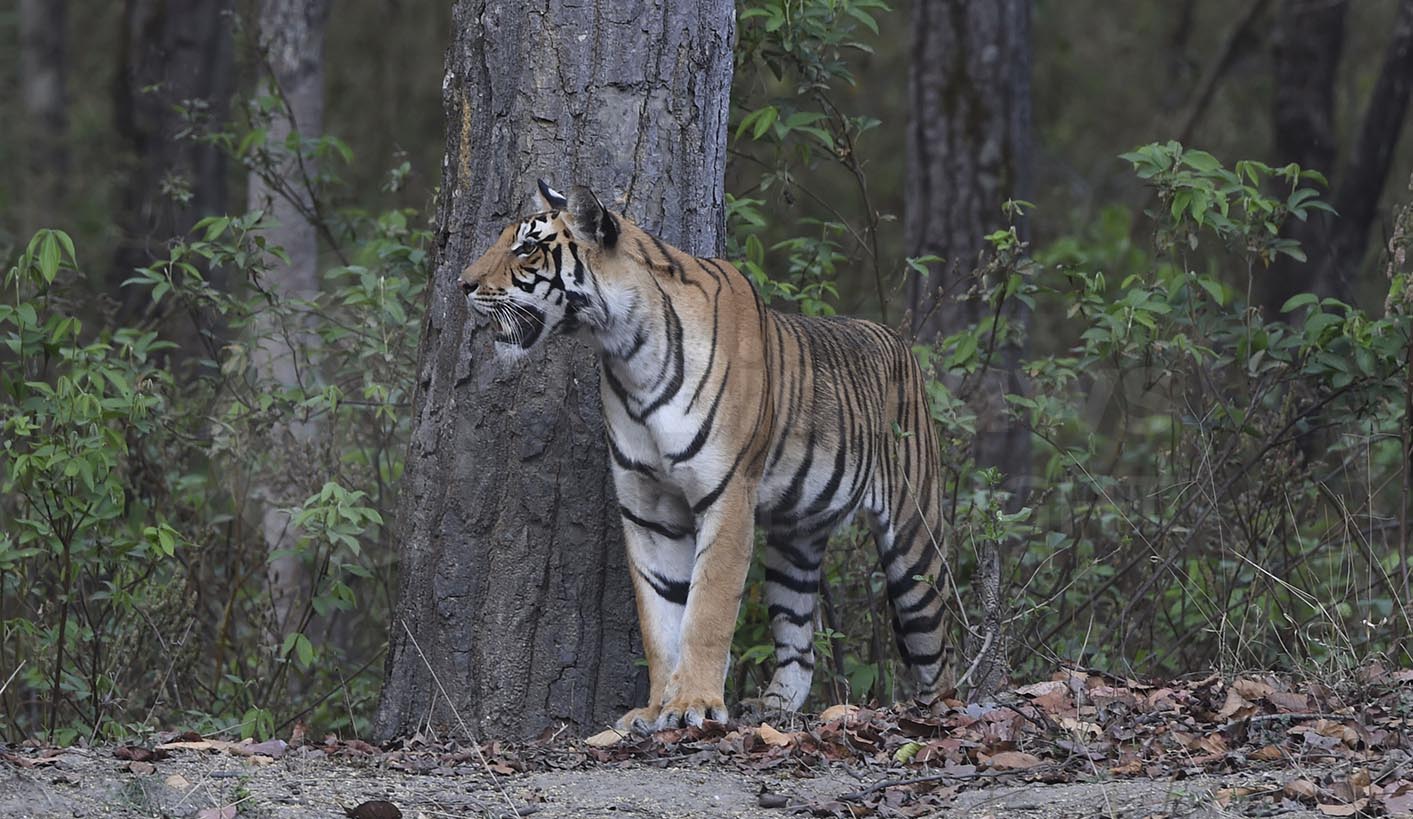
(536,228)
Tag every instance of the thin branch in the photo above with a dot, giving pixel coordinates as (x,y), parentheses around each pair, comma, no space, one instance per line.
(1226,57)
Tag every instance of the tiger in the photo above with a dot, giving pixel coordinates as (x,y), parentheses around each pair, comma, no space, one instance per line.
(723,414)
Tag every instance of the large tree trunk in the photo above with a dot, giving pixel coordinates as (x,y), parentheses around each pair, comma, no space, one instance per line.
(46,113)
(172,54)
(292,44)
(968,152)
(514,600)
(1306,58)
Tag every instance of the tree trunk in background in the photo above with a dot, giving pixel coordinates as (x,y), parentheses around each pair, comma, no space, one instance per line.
(968,152)
(514,599)
(292,42)
(1306,57)
(1309,42)
(46,113)
(171,54)
(1361,181)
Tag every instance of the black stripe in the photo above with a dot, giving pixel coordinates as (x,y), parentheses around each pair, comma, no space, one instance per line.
(897,588)
(666,530)
(796,659)
(797,557)
(927,599)
(797,482)
(794,584)
(709,498)
(673,591)
(923,625)
(620,458)
(926,659)
(704,431)
(794,618)
(675,352)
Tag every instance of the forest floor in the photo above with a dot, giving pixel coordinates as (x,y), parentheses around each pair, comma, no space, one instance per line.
(1079,745)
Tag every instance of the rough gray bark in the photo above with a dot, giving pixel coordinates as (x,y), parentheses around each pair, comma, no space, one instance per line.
(968,151)
(170,54)
(513,580)
(46,112)
(292,42)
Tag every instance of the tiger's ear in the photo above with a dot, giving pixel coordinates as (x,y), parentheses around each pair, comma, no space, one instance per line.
(592,222)
(550,199)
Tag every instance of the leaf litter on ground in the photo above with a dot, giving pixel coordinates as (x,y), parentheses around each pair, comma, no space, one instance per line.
(1078,725)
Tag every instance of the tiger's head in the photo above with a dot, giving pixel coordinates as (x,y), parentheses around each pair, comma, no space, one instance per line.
(539,277)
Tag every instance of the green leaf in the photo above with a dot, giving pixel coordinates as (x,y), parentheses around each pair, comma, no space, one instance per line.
(1298,301)
(1201,161)
(905,754)
(49,257)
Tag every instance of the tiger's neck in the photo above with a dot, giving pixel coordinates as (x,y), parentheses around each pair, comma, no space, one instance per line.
(641,344)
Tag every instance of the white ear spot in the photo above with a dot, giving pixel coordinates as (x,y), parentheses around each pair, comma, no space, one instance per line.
(550,198)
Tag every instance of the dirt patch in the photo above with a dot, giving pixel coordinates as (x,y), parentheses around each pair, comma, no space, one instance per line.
(92,783)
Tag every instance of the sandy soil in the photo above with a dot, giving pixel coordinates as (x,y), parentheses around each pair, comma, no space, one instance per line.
(92,783)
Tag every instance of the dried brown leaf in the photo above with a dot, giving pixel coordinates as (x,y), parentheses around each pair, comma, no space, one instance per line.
(136,753)
(1397,798)
(1225,795)
(1289,702)
(605,739)
(1236,706)
(1013,761)
(773,737)
(1267,753)
(1302,789)
(1253,689)
(840,711)
(374,809)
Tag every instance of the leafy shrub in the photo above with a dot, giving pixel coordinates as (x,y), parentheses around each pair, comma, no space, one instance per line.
(135,471)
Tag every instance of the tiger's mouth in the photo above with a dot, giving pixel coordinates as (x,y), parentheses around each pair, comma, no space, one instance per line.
(517,324)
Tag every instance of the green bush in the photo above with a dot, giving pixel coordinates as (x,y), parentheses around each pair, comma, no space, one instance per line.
(135,470)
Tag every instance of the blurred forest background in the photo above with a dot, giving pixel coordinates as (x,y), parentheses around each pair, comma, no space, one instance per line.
(1183,464)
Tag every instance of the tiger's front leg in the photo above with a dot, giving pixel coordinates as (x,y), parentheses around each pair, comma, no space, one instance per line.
(658,532)
(695,690)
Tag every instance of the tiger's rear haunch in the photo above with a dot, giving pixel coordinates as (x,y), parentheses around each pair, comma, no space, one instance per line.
(722,414)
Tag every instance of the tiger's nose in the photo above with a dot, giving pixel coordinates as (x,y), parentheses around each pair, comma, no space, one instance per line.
(468,288)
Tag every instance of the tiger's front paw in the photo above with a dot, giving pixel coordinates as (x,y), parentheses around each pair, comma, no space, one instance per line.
(639,720)
(691,710)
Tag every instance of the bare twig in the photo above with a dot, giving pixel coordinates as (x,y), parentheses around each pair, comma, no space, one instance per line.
(450,703)
(856,796)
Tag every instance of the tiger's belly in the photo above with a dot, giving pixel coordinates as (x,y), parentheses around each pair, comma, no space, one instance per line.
(809,487)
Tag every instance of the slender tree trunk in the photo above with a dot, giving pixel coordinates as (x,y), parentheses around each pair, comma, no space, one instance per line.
(1361,182)
(968,152)
(292,45)
(42,80)
(1309,42)
(514,609)
(172,55)
(1305,63)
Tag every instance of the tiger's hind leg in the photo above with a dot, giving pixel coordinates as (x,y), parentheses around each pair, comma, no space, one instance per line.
(910,547)
(791,589)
